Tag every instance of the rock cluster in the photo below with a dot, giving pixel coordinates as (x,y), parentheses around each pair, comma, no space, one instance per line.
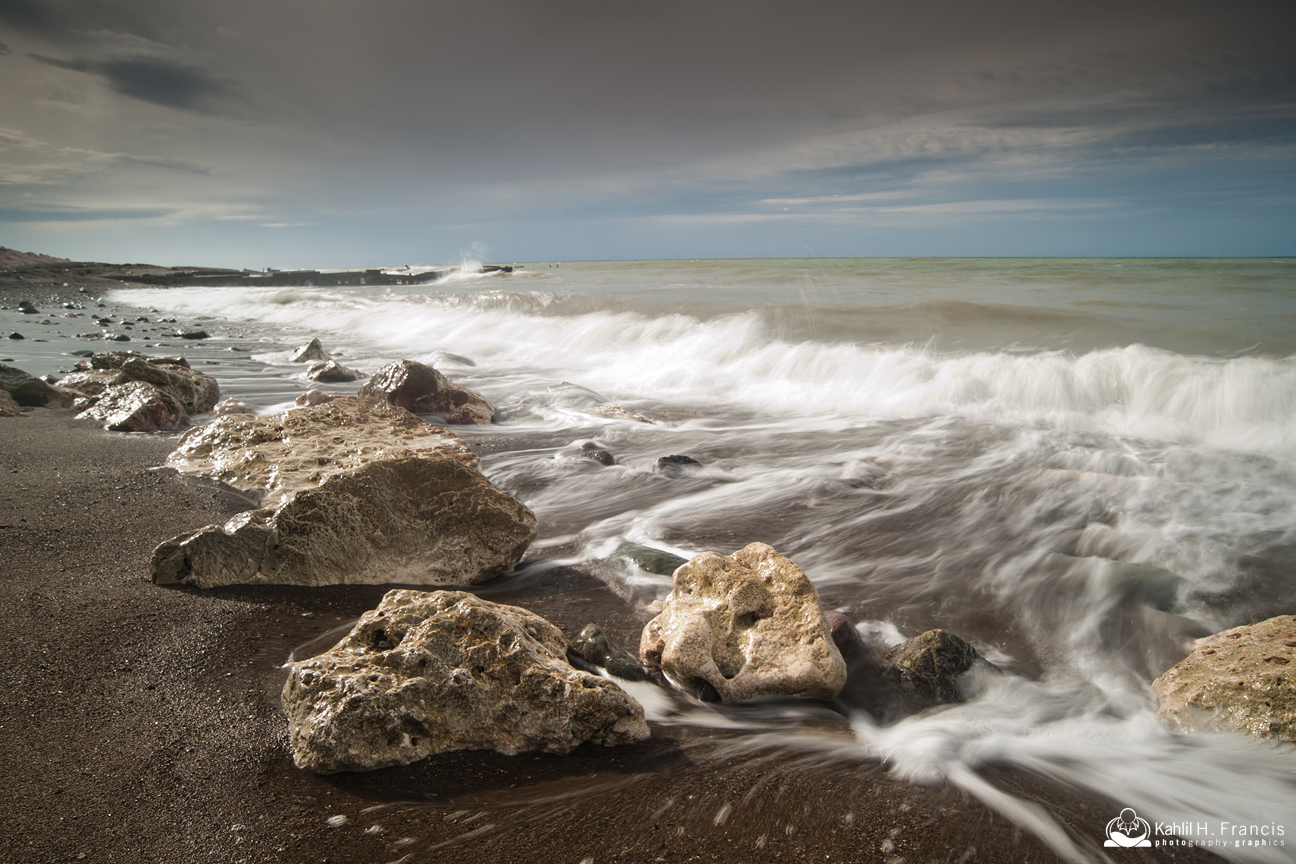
(423,390)
(425,673)
(1243,680)
(354,491)
(744,626)
(195,391)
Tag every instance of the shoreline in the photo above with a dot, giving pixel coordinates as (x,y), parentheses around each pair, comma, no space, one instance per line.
(142,723)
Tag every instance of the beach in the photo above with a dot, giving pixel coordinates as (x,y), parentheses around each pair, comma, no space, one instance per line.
(142,723)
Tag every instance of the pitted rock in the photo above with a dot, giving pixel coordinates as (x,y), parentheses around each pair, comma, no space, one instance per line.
(196,391)
(427,673)
(423,390)
(1240,680)
(133,407)
(744,626)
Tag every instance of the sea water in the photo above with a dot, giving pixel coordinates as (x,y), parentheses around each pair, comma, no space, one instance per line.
(1077,465)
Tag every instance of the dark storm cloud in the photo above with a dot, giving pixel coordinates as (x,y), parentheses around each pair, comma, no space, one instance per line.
(158,80)
(5,49)
(63,21)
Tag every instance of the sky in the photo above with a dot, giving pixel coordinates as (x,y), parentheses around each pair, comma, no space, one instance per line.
(325,133)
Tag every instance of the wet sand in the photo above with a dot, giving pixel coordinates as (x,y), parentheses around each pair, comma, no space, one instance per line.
(141,724)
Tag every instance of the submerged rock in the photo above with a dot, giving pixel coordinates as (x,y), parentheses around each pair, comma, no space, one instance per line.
(134,407)
(744,626)
(1241,680)
(616,412)
(423,390)
(28,391)
(309,352)
(196,391)
(929,669)
(844,635)
(676,466)
(592,646)
(427,673)
(653,560)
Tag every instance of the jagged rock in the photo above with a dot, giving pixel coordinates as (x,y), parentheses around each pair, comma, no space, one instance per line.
(426,673)
(313,397)
(311,351)
(423,390)
(16,335)
(31,392)
(1241,680)
(419,521)
(298,449)
(134,407)
(743,626)
(653,560)
(675,467)
(592,646)
(616,412)
(231,406)
(8,407)
(26,308)
(332,372)
(196,391)
(929,668)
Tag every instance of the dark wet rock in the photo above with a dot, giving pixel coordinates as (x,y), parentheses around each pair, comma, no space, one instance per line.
(653,560)
(31,392)
(1239,680)
(16,335)
(431,672)
(676,466)
(310,352)
(116,337)
(133,407)
(423,390)
(26,308)
(84,352)
(929,669)
(196,391)
(593,451)
(844,635)
(593,647)
(746,625)
(332,372)
(193,334)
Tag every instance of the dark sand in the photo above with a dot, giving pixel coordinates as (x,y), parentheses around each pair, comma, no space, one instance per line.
(141,724)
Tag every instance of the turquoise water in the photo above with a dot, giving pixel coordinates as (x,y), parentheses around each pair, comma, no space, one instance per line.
(1078,465)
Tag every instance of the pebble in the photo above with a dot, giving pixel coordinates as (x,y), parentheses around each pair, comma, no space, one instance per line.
(308,615)
(16,336)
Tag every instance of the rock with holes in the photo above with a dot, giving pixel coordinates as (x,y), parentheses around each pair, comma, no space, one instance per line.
(744,626)
(426,673)
(423,390)
(1241,680)
(196,391)
(933,669)
(353,491)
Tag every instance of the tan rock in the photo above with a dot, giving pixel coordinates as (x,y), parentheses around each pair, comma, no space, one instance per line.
(133,407)
(426,673)
(309,352)
(743,626)
(1241,680)
(298,449)
(196,391)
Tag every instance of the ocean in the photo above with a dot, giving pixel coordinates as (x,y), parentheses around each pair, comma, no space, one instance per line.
(1078,465)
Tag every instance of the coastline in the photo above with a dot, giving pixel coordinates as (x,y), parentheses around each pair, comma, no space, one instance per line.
(141,723)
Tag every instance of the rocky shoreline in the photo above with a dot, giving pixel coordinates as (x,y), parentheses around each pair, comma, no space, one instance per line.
(144,723)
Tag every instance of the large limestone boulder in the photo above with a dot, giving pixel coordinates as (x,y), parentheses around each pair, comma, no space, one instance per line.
(196,391)
(418,520)
(743,626)
(28,391)
(423,390)
(426,673)
(1241,680)
(133,407)
(282,454)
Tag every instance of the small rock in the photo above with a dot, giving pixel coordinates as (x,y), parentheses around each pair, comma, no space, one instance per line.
(331,372)
(231,406)
(309,615)
(26,308)
(844,635)
(602,457)
(193,334)
(675,466)
(313,397)
(593,647)
(653,560)
(16,335)
(311,351)
(929,668)
(423,390)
